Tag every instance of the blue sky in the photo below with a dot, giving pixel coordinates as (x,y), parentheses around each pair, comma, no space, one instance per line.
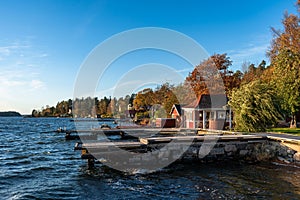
(44,43)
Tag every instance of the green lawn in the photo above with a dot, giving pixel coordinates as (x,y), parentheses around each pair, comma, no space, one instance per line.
(294,131)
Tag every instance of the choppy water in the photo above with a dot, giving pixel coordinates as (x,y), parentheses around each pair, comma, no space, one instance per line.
(37,164)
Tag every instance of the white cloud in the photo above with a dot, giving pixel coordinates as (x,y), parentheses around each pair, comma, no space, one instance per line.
(11,79)
(252,52)
(190,69)
(20,81)
(37,84)
(8,50)
(43,55)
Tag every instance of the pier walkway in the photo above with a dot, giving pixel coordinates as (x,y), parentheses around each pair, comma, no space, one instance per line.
(224,145)
(289,140)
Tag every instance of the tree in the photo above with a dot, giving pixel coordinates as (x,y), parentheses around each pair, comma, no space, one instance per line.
(213,76)
(287,82)
(34,113)
(254,73)
(255,107)
(103,106)
(285,56)
(232,81)
(288,39)
(112,107)
(166,95)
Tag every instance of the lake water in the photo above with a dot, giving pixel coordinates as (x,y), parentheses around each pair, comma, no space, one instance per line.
(38,164)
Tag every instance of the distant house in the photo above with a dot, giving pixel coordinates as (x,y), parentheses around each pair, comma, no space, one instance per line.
(207,112)
(176,114)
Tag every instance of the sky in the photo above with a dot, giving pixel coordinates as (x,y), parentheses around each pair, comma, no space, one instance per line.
(44,43)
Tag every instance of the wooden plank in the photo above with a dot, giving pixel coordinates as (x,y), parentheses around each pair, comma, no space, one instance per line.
(156,140)
(291,143)
(284,139)
(295,147)
(99,145)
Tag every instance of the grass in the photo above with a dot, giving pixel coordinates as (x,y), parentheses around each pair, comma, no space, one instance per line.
(294,131)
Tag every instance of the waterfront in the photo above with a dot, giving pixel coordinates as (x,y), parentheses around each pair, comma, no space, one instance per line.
(36,163)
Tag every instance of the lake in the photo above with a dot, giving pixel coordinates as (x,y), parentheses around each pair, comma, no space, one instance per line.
(37,163)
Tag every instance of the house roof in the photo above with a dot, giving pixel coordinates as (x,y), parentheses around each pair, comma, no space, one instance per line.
(209,101)
(177,107)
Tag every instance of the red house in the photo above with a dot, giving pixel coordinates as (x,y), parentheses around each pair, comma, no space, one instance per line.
(207,112)
(176,114)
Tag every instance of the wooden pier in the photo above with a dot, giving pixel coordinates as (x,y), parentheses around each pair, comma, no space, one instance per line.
(234,146)
(223,145)
(126,133)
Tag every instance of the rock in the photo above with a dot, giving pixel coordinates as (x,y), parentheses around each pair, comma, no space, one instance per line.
(217,151)
(283,152)
(289,151)
(230,147)
(244,152)
(283,160)
(297,157)
(204,150)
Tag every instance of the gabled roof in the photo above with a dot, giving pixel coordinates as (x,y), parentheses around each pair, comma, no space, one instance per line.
(209,101)
(177,107)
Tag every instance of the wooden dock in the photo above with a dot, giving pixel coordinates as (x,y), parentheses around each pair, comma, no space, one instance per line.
(187,144)
(94,149)
(289,140)
(219,138)
(126,133)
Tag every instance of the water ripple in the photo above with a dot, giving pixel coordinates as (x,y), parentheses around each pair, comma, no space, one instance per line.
(36,163)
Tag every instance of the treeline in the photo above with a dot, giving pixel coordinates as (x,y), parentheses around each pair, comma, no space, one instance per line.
(159,101)
(62,109)
(259,96)
(10,114)
(87,107)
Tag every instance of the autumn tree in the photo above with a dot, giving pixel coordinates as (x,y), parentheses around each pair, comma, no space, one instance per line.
(285,56)
(288,39)
(62,108)
(103,105)
(254,72)
(112,107)
(144,99)
(147,101)
(166,96)
(213,76)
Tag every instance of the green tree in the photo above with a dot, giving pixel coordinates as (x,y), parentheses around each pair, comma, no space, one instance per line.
(285,56)
(255,107)
(286,78)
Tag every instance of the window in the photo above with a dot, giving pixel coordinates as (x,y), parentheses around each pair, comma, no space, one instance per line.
(221,115)
(212,115)
(189,115)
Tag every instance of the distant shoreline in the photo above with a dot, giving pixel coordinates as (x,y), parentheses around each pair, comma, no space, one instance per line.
(10,114)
